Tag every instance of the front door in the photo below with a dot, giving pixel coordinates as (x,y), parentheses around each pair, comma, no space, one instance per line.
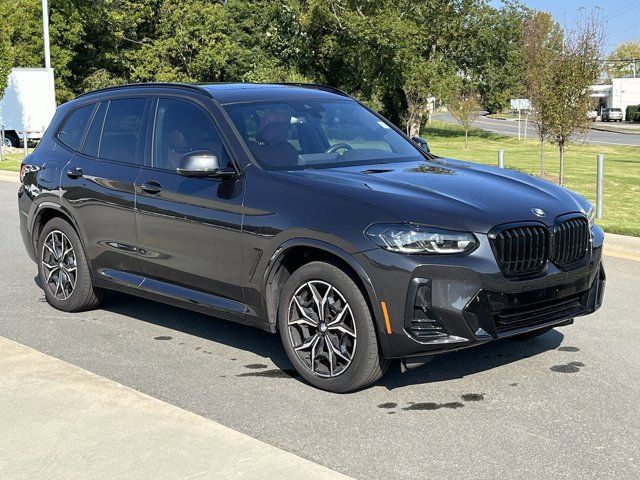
(189,229)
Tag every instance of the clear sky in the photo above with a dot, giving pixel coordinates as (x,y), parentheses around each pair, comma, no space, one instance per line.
(621,17)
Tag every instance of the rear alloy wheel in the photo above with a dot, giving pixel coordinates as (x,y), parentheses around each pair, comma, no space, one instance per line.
(63,270)
(327,329)
(59,265)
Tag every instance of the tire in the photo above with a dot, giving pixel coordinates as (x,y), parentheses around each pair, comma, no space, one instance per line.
(533,334)
(342,346)
(63,270)
(10,140)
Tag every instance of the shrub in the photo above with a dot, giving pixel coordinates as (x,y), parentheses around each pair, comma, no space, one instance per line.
(633,113)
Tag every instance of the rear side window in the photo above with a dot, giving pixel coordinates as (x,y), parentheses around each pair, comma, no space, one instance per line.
(92,142)
(123,130)
(73,130)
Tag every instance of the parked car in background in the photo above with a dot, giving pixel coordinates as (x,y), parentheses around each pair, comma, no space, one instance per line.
(612,115)
(298,210)
(592,115)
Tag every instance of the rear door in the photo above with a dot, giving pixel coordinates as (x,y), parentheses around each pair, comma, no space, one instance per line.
(98,184)
(190,228)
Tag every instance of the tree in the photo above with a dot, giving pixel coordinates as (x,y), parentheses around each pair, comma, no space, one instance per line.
(624,61)
(464,106)
(490,51)
(542,38)
(390,54)
(561,66)
(574,69)
(6,60)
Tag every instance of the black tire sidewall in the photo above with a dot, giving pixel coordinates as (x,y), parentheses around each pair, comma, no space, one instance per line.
(357,373)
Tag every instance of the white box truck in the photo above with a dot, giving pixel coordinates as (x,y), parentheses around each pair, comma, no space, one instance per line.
(27,105)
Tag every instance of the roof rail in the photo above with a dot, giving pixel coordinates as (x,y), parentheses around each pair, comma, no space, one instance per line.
(186,86)
(317,86)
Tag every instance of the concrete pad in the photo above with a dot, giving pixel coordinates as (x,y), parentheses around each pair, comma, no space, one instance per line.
(59,421)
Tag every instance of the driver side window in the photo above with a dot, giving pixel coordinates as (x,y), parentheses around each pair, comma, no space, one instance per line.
(182,127)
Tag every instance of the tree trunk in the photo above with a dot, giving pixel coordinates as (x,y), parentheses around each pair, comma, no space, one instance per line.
(561,179)
(542,157)
(414,125)
(465,138)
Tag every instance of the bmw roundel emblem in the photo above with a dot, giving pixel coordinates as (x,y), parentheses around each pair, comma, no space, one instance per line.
(538,212)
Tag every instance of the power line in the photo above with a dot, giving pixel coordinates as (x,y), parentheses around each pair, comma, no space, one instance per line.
(624,9)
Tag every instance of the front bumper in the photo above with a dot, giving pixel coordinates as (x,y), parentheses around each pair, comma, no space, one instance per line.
(439,304)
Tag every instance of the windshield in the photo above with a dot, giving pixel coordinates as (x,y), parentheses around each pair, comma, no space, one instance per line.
(299,134)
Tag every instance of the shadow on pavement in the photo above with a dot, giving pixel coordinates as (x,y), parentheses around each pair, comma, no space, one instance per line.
(444,367)
(229,333)
(473,360)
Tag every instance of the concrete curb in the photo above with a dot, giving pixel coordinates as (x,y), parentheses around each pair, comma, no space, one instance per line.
(622,246)
(623,130)
(6,176)
(60,421)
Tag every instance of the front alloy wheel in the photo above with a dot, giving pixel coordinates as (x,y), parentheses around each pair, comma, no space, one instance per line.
(322,329)
(59,265)
(327,329)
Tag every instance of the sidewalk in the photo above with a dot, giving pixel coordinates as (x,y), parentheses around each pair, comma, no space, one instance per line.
(59,421)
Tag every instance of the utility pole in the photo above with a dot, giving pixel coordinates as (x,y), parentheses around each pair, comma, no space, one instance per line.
(45,34)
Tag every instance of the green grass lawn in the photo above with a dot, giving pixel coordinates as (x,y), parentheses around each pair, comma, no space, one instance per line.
(11,161)
(621,169)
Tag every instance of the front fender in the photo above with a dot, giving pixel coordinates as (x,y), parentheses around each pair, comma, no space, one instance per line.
(278,256)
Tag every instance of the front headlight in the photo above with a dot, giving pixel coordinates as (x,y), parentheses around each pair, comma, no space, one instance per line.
(420,239)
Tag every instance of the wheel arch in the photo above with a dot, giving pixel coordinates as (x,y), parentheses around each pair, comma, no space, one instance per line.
(295,253)
(46,212)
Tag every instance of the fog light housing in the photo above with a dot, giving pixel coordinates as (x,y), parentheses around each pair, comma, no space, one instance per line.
(421,321)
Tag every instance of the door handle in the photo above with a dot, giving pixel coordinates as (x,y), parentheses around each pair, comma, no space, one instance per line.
(151,187)
(75,172)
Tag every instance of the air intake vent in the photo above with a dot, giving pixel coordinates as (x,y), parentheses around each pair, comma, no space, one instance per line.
(422,322)
(521,250)
(571,242)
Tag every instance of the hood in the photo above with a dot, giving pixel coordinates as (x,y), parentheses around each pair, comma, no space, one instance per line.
(445,193)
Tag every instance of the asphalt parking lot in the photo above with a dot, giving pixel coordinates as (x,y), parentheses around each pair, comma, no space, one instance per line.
(563,406)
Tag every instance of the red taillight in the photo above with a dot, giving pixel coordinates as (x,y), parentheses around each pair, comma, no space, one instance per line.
(23,171)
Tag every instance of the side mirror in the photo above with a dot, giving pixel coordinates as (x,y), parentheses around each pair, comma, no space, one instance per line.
(202,163)
(422,143)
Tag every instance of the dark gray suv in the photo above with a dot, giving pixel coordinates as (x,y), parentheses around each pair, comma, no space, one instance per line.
(298,210)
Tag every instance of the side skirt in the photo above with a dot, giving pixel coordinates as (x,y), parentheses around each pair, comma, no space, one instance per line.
(179,296)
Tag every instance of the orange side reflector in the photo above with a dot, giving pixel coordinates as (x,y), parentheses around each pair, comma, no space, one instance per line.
(385,313)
